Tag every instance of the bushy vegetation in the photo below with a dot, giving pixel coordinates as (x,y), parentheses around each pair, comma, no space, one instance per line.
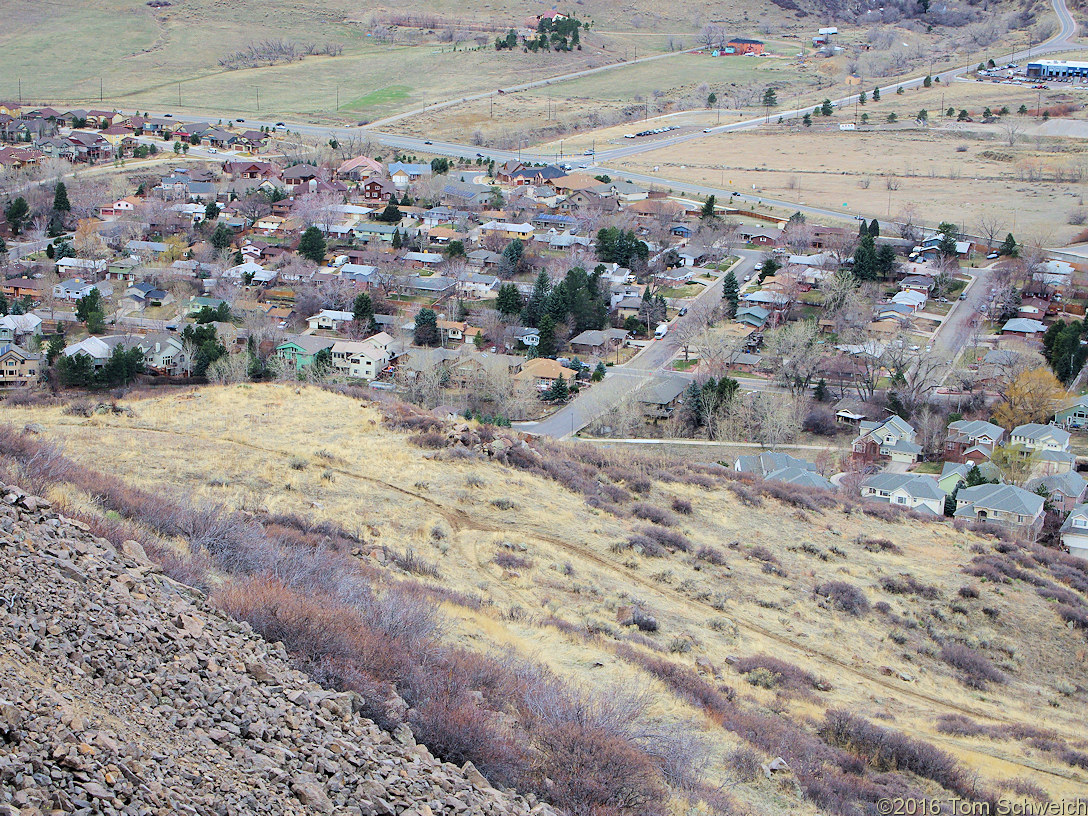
(844,597)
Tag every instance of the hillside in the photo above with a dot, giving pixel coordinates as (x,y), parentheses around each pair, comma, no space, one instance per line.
(725,622)
(385,59)
(123,691)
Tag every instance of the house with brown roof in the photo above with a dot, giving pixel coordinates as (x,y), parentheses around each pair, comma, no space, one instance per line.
(378,189)
(359,168)
(543,372)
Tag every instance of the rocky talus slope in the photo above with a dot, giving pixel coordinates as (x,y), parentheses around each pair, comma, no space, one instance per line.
(122,692)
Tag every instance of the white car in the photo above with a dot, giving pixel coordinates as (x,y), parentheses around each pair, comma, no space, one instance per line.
(993,256)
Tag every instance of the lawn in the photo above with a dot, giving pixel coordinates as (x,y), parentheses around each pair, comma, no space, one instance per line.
(685,365)
(927,467)
(689,290)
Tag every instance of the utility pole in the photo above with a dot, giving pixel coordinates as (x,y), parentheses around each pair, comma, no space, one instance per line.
(491,115)
(20,90)
(179,93)
(258,98)
(338,97)
(100,89)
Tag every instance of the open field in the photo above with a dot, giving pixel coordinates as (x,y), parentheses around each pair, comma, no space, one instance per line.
(300,450)
(943,173)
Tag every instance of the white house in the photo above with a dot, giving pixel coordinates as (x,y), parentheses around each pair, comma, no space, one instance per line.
(72,289)
(892,438)
(80,267)
(910,297)
(1036,437)
(1075,531)
(329,320)
(249,269)
(362,359)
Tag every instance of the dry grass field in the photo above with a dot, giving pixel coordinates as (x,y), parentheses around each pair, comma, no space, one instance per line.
(305,451)
(944,172)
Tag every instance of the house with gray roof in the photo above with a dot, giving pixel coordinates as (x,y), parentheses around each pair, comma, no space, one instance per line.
(972,440)
(1007,505)
(769,461)
(802,477)
(911,491)
(1064,490)
(661,395)
(1073,415)
(891,439)
(1025,327)
(1074,531)
(1047,445)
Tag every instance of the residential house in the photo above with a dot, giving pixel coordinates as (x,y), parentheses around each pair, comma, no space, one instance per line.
(972,440)
(422,260)
(89,147)
(456,331)
(378,189)
(19,328)
(660,397)
(1074,415)
(80,266)
(99,349)
(953,474)
(72,289)
(912,298)
(1025,327)
(434,285)
(1048,445)
(299,178)
(476,285)
(250,170)
(362,359)
(1003,504)
(543,372)
(801,477)
(908,490)
(147,249)
(145,295)
(507,230)
(329,320)
(301,350)
(743,46)
(1064,490)
(890,439)
(18,366)
(164,353)
(483,258)
(122,206)
(598,342)
(403,174)
(522,336)
(1075,531)
(20,288)
(917,283)
(760,464)
(249,272)
(359,168)
(760,236)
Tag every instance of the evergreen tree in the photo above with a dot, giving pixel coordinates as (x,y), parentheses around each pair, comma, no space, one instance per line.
(708,210)
(221,237)
(509,300)
(730,294)
(770,98)
(534,308)
(455,249)
(865,259)
(391,214)
(885,261)
(211,211)
(928,81)
(56,346)
(876,94)
(17,214)
(558,391)
(599,372)
(426,330)
(1008,247)
(362,309)
(874,228)
(88,304)
(50,252)
(547,347)
(862,98)
(820,392)
(806,120)
(398,242)
(60,198)
(312,245)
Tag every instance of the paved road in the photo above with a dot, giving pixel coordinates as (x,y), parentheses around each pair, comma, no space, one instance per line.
(955,330)
(622,381)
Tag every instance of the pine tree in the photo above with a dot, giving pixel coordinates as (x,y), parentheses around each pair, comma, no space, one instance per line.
(827,109)
(362,309)
(865,259)
(509,300)
(730,294)
(312,245)
(547,346)
(426,330)
(60,198)
(1008,247)
(708,208)
(806,120)
(876,94)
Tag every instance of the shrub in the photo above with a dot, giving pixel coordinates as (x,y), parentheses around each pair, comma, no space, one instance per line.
(504,504)
(429,439)
(646,545)
(1076,616)
(744,492)
(761,553)
(644,622)
(509,561)
(410,562)
(844,597)
(884,750)
(712,555)
(780,673)
(967,592)
(878,545)
(976,671)
(682,506)
(744,764)
(648,512)
(907,584)
(668,539)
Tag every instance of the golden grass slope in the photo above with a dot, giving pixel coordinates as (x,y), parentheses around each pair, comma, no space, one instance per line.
(302,450)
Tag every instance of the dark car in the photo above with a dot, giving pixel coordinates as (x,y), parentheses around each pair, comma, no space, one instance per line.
(428,141)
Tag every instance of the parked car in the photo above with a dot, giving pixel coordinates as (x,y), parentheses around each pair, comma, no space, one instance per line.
(993,256)
(963,296)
